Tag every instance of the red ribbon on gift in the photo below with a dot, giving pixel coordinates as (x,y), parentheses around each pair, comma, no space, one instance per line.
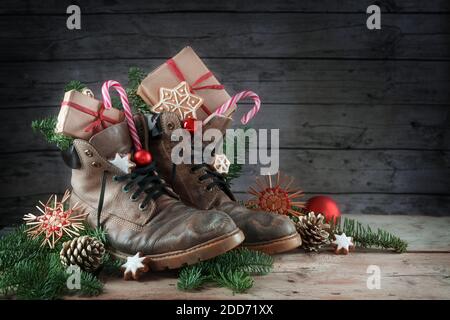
(100,120)
(195,86)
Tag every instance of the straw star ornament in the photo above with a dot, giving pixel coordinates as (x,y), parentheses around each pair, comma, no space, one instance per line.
(276,196)
(55,221)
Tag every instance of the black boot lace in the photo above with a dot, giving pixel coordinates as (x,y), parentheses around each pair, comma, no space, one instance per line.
(215,178)
(145,179)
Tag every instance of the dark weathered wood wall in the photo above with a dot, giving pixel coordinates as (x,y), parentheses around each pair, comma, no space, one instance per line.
(364,115)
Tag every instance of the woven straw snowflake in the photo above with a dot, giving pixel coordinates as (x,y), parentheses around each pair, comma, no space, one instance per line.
(55,221)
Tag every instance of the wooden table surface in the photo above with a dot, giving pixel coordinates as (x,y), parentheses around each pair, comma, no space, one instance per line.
(421,273)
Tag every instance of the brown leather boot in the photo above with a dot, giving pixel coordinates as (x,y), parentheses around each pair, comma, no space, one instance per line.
(140,213)
(201,186)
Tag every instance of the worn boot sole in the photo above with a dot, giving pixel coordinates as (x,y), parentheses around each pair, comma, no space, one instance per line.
(276,246)
(201,252)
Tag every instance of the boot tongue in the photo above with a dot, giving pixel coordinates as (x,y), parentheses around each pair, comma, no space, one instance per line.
(112,140)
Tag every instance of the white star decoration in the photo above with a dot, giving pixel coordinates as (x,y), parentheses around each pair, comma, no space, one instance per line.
(343,243)
(123,162)
(179,100)
(221,163)
(135,266)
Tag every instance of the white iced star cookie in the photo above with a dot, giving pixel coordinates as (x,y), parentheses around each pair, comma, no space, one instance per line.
(123,162)
(135,266)
(179,100)
(343,244)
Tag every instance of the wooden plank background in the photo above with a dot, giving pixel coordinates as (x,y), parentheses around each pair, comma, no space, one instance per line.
(364,115)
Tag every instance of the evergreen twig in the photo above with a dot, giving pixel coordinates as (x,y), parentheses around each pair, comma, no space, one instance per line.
(232,270)
(47,128)
(31,271)
(192,278)
(363,236)
(74,85)
(237,280)
(135,77)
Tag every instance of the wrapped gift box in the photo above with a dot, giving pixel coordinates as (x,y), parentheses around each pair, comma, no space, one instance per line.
(186,66)
(82,116)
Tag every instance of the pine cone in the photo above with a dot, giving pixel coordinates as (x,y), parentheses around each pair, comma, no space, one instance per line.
(85,252)
(313,230)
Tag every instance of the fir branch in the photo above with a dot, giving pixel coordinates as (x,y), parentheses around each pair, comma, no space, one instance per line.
(136,101)
(47,128)
(232,270)
(193,277)
(249,261)
(363,236)
(74,85)
(234,172)
(135,77)
(16,247)
(115,101)
(31,271)
(111,265)
(89,285)
(237,280)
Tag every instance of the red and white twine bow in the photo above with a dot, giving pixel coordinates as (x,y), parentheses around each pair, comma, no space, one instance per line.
(126,108)
(236,98)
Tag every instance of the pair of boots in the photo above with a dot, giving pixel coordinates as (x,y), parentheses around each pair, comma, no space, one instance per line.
(141,213)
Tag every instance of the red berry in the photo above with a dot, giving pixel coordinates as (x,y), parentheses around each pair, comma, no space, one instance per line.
(142,158)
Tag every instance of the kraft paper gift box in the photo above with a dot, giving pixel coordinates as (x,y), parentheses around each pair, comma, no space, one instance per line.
(186,66)
(82,116)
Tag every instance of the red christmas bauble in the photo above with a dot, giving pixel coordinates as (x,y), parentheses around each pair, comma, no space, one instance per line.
(190,125)
(142,158)
(325,205)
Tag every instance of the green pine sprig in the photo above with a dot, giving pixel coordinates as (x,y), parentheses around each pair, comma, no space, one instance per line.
(232,270)
(192,277)
(74,85)
(135,77)
(31,271)
(365,237)
(47,128)
(237,280)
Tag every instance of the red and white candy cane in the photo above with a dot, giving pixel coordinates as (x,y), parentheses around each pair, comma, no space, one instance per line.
(126,108)
(240,96)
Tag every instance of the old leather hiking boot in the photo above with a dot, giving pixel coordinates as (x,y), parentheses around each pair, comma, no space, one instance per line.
(201,186)
(140,213)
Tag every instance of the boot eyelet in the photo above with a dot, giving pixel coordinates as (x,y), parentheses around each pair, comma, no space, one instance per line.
(142,208)
(96,164)
(114,178)
(88,153)
(133,198)
(170,126)
(209,189)
(125,189)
